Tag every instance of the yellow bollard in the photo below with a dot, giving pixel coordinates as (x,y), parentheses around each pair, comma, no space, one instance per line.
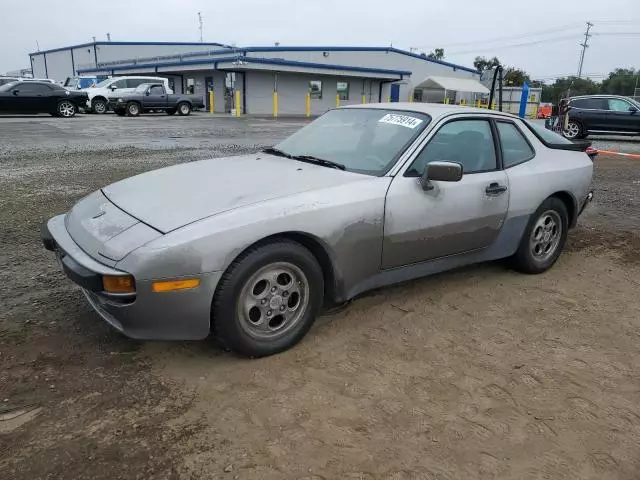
(212,101)
(477,103)
(238,106)
(308,105)
(388,99)
(493,106)
(364,99)
(446,100)
(275,104)
(411,97)
(337,100)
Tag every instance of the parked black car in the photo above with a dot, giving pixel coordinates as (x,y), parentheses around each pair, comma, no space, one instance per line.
(152,96)
(40,97)
(598,114)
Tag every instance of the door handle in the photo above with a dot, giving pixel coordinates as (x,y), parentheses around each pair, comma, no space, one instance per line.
(495,189)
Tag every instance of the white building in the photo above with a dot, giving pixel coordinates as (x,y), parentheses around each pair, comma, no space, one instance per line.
(309,79)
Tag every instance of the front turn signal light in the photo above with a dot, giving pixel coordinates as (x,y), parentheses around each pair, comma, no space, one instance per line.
(171,285)
(118,284)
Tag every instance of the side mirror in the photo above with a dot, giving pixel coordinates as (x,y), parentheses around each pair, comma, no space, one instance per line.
(633,109)
(113,87)
(147,92)
(15,92)
(440,172)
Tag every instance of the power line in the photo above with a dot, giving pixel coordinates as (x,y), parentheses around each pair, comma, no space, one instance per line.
(584,45)
(508,37)
(515,45)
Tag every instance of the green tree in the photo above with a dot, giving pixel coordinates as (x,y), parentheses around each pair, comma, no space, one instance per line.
(569,86)
(622,81)
(482,63)
(437,54)
(515,77)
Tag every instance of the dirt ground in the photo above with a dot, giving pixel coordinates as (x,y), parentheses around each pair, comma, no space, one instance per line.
(481,373)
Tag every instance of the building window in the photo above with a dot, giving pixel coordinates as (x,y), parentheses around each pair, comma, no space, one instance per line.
(343,90)
(191,86)
(315,88)
(417,95)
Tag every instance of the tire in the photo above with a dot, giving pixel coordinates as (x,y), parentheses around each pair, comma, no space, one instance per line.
(184,109)
(171,111)
(281,276)
(66,109)
(133,109)
(99,106)
(574,130)
(544,238)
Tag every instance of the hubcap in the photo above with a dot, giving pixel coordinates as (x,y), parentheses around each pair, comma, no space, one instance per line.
(572,130)
(67,109)
(184,108)
(273,300)
(545,236)
(133,109)
(99,107)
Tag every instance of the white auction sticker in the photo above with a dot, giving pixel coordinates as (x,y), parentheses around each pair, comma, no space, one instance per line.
(403,120)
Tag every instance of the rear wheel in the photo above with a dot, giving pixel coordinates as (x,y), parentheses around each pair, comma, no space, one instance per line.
(66,108)
(99,106)
(268,299)
(133,109)
(544,238)
(184,108)
(574,130)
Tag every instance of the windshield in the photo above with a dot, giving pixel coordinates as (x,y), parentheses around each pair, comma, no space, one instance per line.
(7,86)
(546,135)
(364,140)
(104,83)
(4,81)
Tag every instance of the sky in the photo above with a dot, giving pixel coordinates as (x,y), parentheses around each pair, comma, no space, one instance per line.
(542,37)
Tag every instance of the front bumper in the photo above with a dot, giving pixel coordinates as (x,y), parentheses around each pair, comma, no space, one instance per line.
(148,315)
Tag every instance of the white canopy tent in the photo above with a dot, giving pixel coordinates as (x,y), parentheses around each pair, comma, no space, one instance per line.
(451,84)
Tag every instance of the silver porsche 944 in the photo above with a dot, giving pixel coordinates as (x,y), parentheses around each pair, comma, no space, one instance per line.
(250,249)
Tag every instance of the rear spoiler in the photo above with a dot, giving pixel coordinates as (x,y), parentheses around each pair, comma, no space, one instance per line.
(581,146)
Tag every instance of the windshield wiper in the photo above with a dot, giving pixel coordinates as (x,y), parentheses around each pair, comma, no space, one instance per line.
(276,151)
(319,161)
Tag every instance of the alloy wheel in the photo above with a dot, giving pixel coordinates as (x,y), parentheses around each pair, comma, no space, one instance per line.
(67,109)
(546,235)
(273,300)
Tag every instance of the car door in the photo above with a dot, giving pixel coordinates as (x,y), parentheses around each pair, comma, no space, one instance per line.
(591,112)
(624,117)
(156,98)
(453,217)
(31,97)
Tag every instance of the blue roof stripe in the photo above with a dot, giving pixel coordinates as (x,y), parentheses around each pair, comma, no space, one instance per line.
(228,49)
(91,44)
(267,61)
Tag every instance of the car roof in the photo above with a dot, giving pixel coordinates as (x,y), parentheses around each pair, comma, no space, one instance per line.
(597,95)
(434,110)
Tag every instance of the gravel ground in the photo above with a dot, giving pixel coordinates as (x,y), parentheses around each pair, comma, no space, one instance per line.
(478,373)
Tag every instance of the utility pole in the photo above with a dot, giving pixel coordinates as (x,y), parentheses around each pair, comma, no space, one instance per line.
(200,22)
(584,46)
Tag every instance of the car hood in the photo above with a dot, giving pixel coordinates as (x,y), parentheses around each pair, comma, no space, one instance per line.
(172,197)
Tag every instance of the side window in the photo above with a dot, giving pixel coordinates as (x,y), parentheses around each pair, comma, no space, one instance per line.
(579,103)
(134,82)
(515,148)
(468,142)
(119,84)
(315,88)
(33,89)
(618,105)
(596,104)
(157,90)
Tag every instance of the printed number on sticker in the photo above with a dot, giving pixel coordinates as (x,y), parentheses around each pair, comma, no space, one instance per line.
(402,120)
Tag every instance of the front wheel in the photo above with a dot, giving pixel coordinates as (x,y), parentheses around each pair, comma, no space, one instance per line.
(66,109)
(133,109)
(268,299)
(184,108)
(99,106)
(544,238)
